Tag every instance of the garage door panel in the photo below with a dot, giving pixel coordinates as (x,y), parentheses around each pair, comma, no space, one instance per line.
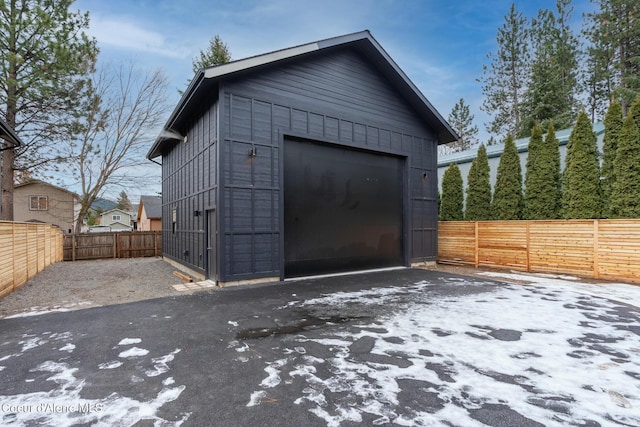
(342,209)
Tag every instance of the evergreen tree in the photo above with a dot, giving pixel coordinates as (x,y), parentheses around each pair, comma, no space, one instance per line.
(507,201)
(552,84)
(461,120)
(478,205)
(614,31)
(542,177)
(533,180)
(503,81)
(551,152)
(581,195)
(612,128)
(45,56)
(123,201)
(452,195)
(625,196)
(217,53)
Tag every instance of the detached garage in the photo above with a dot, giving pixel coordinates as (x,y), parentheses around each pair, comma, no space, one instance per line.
(315,159)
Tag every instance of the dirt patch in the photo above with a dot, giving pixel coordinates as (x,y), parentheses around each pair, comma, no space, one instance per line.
(74,285)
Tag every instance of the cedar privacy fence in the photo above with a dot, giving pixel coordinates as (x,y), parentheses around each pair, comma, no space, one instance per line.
(601,249)
(122,244)
(26,250)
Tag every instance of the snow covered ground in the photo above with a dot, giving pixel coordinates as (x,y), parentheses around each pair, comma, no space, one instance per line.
(61,403)
(532,350)
(551,352)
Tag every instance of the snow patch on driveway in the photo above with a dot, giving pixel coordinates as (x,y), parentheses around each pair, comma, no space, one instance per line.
(554,352)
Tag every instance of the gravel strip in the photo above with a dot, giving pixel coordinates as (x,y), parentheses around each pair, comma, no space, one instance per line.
(68,285)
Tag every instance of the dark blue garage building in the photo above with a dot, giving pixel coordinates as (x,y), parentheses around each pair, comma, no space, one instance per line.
(313,159)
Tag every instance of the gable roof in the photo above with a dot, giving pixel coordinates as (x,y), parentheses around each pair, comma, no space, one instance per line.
(207,79)
(152,206)
(37,181)
(9,134)
(111,211)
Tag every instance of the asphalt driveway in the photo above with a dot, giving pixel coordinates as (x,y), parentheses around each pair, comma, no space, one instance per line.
(404,347)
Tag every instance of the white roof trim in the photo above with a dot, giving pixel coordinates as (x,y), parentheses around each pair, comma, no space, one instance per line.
(243,64)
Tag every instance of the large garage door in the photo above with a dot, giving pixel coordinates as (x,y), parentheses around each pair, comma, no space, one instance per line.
(342,209)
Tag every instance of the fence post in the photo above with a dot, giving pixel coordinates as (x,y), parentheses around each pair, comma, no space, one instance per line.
(155,244)
(528,244)
(115,245)
(596,249)
(477,255)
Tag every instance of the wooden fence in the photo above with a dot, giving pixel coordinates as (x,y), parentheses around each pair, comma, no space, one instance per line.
(112,245)
(601,249)
(25,250)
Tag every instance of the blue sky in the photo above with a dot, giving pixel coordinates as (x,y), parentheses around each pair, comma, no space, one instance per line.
(440,45)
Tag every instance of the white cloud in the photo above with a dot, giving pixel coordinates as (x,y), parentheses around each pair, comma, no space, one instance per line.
(124,34)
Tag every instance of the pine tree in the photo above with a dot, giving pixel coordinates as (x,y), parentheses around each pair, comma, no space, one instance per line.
(612,128)
(478,205)
(503,81)
(507,201)
(625,197)
(123,201)
(581,196)
(217,53)
(452,196)
(542,177)
(552,84)
(614,31)
(461,120)
(45,58)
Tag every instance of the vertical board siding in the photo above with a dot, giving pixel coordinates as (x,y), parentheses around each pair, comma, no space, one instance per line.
(605,249)
(337,98)
(27,249)
(189,185)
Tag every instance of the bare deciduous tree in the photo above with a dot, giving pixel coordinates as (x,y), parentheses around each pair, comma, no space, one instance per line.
(122,116)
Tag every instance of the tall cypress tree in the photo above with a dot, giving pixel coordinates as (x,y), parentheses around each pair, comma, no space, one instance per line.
(612,128)
(551,154)
(542,178)
(478,188)
(581,196)
(534,180)
(507,201)
(625,195)
(452,197)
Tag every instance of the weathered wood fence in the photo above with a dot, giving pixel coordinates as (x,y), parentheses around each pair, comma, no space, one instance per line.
(112,245)
(602,249)
(25,250)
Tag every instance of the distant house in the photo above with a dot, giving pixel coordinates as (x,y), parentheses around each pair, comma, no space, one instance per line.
(314,159)
(38,201)
(150,213)
(117,220)
(464,158)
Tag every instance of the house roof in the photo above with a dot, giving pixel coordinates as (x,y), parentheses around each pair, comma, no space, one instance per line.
(9,134)
(522,144)
(115,210)
(152,206)
(207,79)
(37,181)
